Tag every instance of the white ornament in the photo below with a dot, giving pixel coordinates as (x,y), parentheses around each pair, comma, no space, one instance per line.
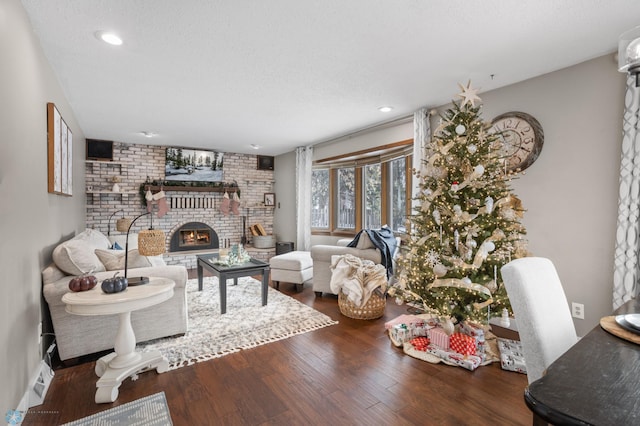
(466,280)
(456,238)
(478,170)
(489,246)
(457,210)
(440,270)
(460,129)
(436,216)
(491,285)
(472,149)
(488,202)
(454,187)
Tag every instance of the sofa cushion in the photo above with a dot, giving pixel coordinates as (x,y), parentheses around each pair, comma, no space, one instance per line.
(77,257)
(95,239)
(113,260)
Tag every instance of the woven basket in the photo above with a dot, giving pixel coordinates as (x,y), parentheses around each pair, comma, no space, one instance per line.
(151,242)
(374,308)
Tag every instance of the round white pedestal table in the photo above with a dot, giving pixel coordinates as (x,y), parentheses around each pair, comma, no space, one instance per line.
(124,361)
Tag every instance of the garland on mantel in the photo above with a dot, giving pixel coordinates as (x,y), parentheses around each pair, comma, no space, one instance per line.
(192,184)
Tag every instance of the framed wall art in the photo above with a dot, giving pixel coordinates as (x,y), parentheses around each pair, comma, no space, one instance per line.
(269,199)
(60,153)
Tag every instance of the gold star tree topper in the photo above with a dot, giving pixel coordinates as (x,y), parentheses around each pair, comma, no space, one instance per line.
(469,95)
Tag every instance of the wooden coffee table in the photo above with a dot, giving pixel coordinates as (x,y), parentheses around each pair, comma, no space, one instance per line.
(125,361)
(247,269)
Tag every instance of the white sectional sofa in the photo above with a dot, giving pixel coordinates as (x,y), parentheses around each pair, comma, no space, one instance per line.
(81,335)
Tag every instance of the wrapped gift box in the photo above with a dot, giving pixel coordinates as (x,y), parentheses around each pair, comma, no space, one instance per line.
(439,338)
(399,334)
(511,355)
(463,344)
(477,332)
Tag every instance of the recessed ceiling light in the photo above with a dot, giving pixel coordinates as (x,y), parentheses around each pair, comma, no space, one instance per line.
(109,37)
(147,134)
(254,146)
(385,108)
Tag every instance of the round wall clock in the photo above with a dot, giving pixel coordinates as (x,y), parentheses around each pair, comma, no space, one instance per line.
(521,136)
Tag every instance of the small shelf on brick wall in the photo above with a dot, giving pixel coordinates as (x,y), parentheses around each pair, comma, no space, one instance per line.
(191,188)
(259,206)
(261,181)
(106,191)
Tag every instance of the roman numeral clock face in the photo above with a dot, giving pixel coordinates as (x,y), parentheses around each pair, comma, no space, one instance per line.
(520,138)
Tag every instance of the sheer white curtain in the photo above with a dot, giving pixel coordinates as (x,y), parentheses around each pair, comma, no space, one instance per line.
(626,267)
(304,155)
(421,138)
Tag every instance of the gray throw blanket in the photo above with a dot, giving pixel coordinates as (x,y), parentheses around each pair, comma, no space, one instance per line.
(384,240)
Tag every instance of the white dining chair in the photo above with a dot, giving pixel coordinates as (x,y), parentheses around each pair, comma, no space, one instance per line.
(541,310)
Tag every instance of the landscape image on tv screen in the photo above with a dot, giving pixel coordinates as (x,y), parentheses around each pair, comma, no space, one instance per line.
(191,165)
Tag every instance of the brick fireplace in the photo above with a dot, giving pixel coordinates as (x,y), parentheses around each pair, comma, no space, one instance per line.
(136,163)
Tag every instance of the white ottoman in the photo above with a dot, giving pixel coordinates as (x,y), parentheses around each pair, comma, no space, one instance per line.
(292,267)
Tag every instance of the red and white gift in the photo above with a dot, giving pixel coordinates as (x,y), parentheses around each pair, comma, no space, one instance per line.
(477,332)
(463,344)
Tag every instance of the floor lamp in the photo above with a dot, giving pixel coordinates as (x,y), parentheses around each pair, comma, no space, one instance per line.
(109,221)
(151,242)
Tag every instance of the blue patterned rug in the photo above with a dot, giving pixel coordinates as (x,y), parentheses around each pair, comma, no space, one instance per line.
(245,325)
(147,411)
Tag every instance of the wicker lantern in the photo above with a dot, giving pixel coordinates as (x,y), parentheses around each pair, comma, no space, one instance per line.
(151,242)
(122,224)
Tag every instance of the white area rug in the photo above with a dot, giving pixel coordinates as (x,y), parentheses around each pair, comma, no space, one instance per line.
(246,324)
(147,411)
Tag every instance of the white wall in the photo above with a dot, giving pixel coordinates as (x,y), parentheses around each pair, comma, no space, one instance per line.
(284,221)
(32,221)
(570,193)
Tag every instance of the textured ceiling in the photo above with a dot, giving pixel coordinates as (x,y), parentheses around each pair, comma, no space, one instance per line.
(284,73)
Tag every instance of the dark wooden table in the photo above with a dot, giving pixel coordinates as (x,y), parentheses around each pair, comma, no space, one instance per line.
(251,268)
(597,381)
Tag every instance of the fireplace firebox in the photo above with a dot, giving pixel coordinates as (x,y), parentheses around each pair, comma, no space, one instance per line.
(194,236)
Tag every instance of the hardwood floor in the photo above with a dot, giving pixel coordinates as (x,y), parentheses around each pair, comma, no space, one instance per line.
(346,374)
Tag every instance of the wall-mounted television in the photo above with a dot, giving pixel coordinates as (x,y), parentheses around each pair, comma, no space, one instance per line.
(99,150)
(193,165)
(265,162)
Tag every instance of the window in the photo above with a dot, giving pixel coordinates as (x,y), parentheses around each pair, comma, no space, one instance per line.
(358,191)
(320,199)
(372,196)
(347,198)
(398,201)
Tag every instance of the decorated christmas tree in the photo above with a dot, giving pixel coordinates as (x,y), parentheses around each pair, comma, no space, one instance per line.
(466,223)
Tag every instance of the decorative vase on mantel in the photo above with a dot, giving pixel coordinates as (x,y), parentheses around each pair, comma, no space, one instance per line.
(116,180)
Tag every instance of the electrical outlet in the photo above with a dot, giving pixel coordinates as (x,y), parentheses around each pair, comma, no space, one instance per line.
(40,333)
(577,310)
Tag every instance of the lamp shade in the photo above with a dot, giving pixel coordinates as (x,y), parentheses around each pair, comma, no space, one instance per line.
(151,242)
(122,224)
(629,50)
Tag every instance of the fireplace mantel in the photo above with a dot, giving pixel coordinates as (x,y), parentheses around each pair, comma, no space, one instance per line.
(192,188)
